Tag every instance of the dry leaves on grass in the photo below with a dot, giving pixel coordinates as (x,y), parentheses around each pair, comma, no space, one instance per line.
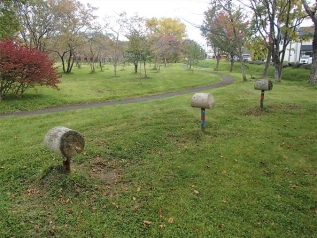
(147,223)
(32,191)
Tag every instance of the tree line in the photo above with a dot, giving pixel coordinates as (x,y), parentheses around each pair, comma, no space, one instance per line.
(73,32)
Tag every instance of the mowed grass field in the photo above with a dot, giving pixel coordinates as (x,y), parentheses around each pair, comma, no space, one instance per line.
(148,170)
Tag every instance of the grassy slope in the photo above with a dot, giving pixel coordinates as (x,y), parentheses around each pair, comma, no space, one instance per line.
(251,174)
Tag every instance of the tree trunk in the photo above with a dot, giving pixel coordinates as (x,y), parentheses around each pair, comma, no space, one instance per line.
(115,69)
(231,65)
(267,64)
(278,72)
(311,11)
(218,60)
(66,142)
(145,75)
(135,66)
(70,62)
(313,69)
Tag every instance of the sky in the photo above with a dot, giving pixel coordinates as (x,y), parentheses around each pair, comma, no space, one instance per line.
(190,12)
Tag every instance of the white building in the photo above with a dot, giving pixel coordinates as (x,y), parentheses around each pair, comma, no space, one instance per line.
(295,50)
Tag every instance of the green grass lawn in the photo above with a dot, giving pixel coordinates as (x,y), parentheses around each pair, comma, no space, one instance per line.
(148,170)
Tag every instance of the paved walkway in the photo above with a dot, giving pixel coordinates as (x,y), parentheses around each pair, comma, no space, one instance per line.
(226,80)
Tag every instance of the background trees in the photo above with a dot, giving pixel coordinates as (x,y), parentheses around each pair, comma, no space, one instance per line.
(9,22)
(277,23)
(192,52)
(56,26)
(74,22)
(22,68)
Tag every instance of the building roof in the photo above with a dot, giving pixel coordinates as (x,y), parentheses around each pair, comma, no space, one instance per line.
(306,48)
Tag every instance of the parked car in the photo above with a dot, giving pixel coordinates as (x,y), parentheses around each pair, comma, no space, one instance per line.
(246,57)
(305,59)
(310,60)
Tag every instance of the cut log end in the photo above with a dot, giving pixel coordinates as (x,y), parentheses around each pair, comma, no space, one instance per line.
(66,142)
(72,143)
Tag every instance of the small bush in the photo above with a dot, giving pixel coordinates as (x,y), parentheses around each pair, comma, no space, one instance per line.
(22,68)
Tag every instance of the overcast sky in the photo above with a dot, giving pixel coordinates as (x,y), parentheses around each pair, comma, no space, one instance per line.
(187,10)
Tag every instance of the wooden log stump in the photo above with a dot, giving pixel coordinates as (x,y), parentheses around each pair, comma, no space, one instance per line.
(66,142)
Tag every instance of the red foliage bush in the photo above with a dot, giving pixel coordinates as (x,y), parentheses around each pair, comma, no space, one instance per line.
(22,68)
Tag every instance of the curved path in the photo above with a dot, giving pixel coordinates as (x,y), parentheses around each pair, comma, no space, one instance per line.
(226,80)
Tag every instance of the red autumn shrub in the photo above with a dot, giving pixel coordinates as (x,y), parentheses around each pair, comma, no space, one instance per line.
(22,68)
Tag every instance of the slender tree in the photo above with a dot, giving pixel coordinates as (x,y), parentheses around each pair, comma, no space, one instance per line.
(138,47)
(312,13)
(117,26)
(225,26)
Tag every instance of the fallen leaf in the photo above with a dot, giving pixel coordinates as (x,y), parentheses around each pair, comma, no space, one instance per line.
(162,225)
(224,171)
(294,186)
(170,220)
(134,198)
(138,189)
(147,223)
(32,191)
(196,191)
